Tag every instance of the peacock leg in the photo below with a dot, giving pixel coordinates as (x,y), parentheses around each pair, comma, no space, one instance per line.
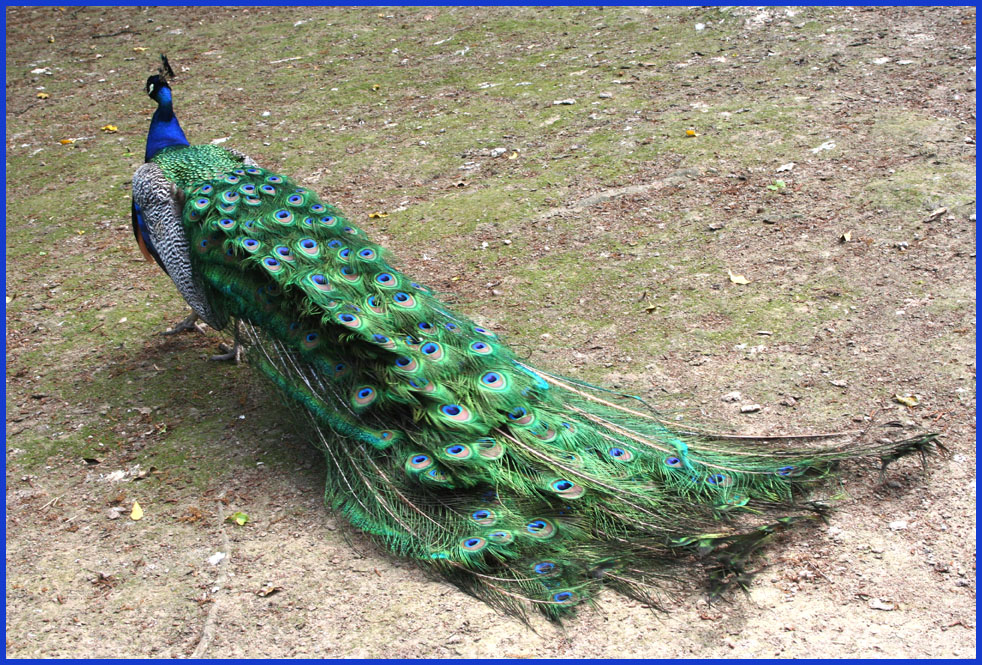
(189,323)
(234,352)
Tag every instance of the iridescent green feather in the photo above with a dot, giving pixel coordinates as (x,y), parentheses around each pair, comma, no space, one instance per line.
(520,486)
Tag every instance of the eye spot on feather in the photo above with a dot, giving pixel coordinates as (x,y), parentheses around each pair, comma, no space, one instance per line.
(494,381)
(673,462)
(320,281)
(719,480)
(785,471)
(274,179)
(481,348)
(349,320)
(545,568)
(456,413)
(284,217)
(620,454)
(334,244)
(272,265)
(567,489)
(344,254)
(311,340)
(308,246)
(294,200)
(473,544)
(541,528)
(317,208)
(458,451)
(564,597)
(406,364)
(364,396)
(484,517)
(328,221)
(502,537)
(432,350)
(420,462)
(367,254)
(232,179)
(404,300)
(452,327)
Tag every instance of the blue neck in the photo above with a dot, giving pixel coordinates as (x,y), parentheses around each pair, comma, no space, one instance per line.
(165,130)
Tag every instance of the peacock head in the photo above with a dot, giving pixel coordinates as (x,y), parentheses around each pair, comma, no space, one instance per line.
(157,86)
(165,130)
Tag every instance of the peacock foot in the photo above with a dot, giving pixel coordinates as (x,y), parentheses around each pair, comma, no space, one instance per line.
(233,353)
(190,323)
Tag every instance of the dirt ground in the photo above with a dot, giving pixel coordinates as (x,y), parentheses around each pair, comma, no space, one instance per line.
(536,165)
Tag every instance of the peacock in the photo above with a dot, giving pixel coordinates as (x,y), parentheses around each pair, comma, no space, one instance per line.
(523,487)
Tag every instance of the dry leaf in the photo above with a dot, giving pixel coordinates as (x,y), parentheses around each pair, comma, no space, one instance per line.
(109,128)
(513,155)
(66,141)
(908,400)
(690,132)
(737,279)
(268,590)
(137,513)
(846,237)
(43,95)
(376,86)
(238,518)
(139,49)
(378,215)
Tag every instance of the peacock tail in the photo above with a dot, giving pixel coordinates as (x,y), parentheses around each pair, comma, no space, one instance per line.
(522,487)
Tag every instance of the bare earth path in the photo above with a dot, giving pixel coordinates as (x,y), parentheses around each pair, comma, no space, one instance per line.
(534,164)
